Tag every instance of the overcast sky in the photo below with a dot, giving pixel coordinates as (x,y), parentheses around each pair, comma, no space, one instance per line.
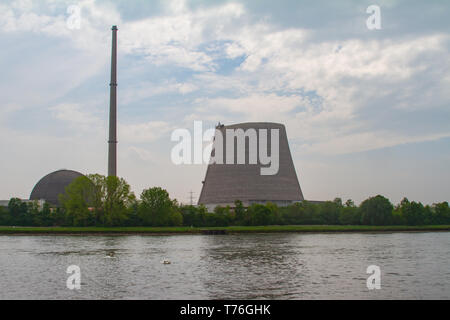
(367,111)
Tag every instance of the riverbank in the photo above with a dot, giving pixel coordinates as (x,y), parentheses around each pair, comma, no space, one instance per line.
(192,230)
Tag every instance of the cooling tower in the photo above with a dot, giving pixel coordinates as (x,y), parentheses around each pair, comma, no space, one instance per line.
(224,183)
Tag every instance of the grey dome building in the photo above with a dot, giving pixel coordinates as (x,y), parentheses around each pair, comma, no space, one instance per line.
(225,183)
(52,185)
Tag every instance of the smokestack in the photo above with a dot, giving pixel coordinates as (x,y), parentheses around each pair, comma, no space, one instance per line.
(112,142)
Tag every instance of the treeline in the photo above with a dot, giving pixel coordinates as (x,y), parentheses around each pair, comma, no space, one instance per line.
(376,210)
(96,200)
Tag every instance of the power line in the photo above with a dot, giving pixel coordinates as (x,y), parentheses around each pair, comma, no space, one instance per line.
(192,198)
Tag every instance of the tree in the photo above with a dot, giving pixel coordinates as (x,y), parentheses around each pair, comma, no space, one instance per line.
(133,216)
(349,203)
(46,215)
(293,214)
(397,216)
(413,213)
(275,215)
(189,214)
(5,217)
(349,215)
(239,210)
(330,211)
(58,217)
(441,214)
(259,215)
(77,201)
(156,207)
(311,213)
(376,211)
(35,214)
(96,199)
(19,212)
(176,218)
(201,216)
(118,198)
(222,216)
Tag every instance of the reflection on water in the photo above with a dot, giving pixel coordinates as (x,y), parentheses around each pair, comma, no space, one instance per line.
(258,266)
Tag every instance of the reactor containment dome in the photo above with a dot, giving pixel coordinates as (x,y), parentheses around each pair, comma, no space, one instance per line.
(52,185)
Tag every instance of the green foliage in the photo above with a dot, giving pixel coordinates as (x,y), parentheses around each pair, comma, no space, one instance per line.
(100,201)
(441,213)
(239,212)
(156,207)
(176,218)
(376,211)
(223,216)
(5,217)
(397,217)
(77,202)
(19,212)
(303,212)
(97,200)
(260,215)
(350,215)
(330,211)
(413,213)
(118,198)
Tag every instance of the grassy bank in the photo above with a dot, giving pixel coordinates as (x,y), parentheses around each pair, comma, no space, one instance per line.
(234,229)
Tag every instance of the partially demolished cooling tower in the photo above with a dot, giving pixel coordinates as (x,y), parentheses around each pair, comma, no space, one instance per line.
(226,182)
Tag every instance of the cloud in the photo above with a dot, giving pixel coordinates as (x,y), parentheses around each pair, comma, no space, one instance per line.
(177,37)
(143,154)
(145,90)
(324,91)
(143,132)
(255,106)
(73,114)
(83,121)
(365,141)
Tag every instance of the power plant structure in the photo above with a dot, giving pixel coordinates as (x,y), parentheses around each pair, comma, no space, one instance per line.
(52,185)
(247,177)
(112,142)
(225,183)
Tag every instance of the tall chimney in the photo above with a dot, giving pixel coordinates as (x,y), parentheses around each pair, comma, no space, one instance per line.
(112,142)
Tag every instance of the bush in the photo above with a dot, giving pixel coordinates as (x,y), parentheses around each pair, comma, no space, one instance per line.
(376,211)
(350,215)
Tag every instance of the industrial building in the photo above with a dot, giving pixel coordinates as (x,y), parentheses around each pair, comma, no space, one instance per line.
(52,185)
(225,183)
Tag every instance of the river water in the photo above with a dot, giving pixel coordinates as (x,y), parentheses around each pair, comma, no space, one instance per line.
(240,266)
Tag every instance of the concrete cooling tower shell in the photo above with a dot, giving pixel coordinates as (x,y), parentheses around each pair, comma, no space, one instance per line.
(225,183)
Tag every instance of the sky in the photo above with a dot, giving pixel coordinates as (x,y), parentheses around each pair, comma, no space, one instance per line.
(367,111)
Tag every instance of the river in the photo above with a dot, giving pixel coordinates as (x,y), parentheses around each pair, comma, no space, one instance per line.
(237,266)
